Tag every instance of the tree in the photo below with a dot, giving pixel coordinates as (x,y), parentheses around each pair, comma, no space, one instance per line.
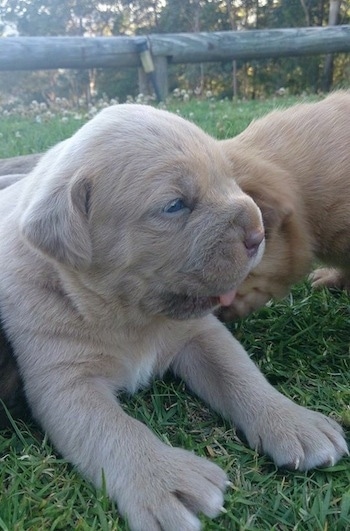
(334,11)
(140,17)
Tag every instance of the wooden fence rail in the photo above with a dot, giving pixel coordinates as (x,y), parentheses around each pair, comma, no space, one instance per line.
(41,53)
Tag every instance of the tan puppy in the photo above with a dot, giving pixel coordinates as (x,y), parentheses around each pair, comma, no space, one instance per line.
(114,251)
(295,164)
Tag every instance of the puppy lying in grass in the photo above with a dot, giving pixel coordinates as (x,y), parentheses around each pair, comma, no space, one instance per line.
(295,164)
(114,252)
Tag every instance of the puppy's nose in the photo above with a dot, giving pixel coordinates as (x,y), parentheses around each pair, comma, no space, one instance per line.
(252,241)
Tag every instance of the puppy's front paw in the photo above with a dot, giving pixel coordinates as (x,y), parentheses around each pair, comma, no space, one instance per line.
(169,488)
(244,304)
(327,277)
(297,438)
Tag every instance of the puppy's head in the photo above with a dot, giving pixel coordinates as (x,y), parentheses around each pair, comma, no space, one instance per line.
(288,250)
(141,204)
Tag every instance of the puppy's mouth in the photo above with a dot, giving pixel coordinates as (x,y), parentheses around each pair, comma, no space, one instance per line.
(185,306)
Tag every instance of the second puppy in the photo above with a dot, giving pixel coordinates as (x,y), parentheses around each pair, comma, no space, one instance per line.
(295,164)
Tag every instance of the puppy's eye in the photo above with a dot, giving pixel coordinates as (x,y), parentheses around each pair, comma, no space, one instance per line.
(176,205)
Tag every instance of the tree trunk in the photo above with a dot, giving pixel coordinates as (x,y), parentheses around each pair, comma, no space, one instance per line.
(306,12)
(196,29)
(232,18)
(334,9)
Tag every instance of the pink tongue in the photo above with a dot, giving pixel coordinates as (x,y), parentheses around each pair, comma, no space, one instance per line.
(227,298)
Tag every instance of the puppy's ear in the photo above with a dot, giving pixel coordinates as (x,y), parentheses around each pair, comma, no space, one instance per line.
(56,222)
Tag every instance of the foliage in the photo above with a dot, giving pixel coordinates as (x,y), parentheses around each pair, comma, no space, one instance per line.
(254,79)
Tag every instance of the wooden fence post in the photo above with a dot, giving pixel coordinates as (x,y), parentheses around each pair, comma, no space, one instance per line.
(149,76)
(161,70)
(143,82)
(161,76)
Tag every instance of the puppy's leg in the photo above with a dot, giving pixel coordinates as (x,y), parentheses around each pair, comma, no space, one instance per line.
(244,304)
(157,488)
(218,369)
(329,277)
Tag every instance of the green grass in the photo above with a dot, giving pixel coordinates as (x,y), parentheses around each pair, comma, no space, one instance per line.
(20,136)
(301,345)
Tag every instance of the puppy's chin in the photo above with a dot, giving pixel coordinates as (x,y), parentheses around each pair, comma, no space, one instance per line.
(189,297)
(183,306)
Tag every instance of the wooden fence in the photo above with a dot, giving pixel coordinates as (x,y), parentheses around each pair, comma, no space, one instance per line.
(39,53)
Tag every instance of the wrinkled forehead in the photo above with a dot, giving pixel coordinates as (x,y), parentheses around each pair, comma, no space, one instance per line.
(175,170)
(139,143)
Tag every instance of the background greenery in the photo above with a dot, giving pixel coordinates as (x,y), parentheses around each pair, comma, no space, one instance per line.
(255,78)
(300,343)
